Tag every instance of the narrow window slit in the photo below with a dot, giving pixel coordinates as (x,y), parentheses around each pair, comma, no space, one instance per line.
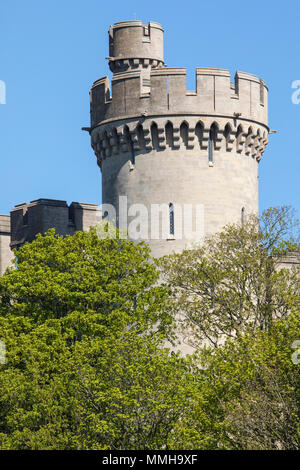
(171,219)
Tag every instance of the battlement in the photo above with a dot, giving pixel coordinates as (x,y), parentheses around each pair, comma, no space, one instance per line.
(157,142)
(27,220)
(4,224)
(164,92)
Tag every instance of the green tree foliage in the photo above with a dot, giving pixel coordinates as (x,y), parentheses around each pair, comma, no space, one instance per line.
(84,322)
(233,282)
(242,309)
(250,393)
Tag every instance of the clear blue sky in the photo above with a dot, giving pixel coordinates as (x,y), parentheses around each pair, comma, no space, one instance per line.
(51,51)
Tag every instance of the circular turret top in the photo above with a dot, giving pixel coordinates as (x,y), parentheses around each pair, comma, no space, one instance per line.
(135,43)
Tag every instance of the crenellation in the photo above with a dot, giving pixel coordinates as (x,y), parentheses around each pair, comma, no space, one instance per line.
(27,220)
(159,94)
(99,98)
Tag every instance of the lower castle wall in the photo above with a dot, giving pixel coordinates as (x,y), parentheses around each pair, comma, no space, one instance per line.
(6,255)
(27,220)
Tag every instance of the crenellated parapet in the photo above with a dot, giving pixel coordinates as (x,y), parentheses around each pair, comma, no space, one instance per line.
(190,134)
(144,91)
(133,94)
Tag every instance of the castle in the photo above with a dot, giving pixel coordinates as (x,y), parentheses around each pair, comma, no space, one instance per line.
(161,147)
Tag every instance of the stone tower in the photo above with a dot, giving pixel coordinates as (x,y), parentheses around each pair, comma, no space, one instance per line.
(173,151)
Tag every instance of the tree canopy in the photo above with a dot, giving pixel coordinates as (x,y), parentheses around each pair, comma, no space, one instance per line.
(233,281)
(85,323)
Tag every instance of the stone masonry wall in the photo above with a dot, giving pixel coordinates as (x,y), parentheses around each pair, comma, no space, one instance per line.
(6,254)
(158,143)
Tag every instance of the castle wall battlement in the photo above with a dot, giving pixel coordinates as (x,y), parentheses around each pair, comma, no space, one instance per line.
(158,143)
(27,220)
(133,93)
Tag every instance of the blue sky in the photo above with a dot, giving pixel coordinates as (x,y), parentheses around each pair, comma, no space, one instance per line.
(52,51)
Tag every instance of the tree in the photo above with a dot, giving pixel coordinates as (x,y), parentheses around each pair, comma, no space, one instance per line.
(250,389)
(233,282)
(242,309)
(112,279)
(84,322)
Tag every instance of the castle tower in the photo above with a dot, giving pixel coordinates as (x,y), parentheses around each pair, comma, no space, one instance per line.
(181,152)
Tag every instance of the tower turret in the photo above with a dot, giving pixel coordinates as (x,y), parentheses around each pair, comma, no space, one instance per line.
(173,151)
(134,45)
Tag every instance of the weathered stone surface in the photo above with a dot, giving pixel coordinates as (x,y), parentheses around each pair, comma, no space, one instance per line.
(6,254)
(27,220)
(152,137)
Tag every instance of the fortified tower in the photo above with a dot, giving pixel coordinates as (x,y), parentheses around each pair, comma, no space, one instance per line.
(157,143)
